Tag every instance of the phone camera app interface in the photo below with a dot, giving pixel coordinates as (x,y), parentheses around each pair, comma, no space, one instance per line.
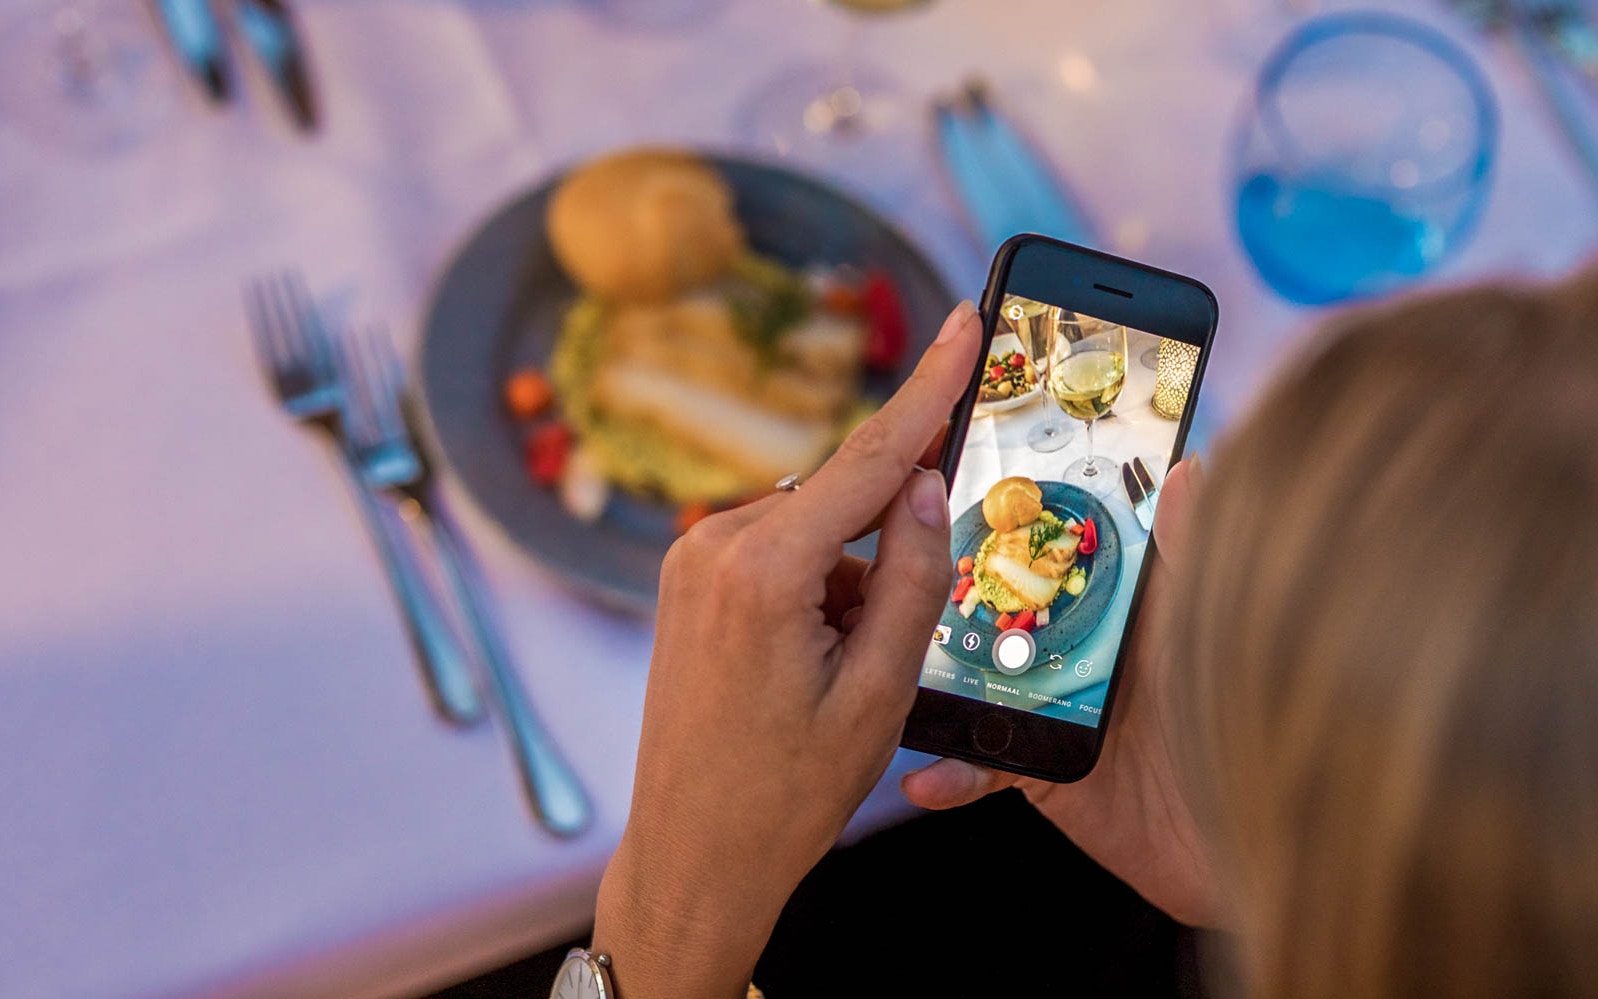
(1052,506)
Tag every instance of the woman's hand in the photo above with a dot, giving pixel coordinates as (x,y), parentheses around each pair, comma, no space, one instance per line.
(1129,813)
(782,674)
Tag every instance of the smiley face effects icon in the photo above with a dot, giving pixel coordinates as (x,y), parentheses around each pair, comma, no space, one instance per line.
(1083,667)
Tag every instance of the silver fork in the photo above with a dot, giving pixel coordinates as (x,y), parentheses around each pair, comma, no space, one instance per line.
(388,458)
(301,364)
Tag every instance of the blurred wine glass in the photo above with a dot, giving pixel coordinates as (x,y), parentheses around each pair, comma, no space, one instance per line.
(835,111)
(1363,159)
(1035,324)
(84,76)
(1087,371)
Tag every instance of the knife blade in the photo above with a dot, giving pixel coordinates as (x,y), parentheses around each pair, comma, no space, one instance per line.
(269,29)
(1001,179)
(196,40)
(1137,497)
(1151,492)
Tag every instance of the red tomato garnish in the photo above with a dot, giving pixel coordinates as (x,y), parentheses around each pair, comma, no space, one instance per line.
(690,514)
(1017,361)
(1026,621)
(996,372)
(841,298)
(528,393)
(965,565)
(961,589)
(1004,623)
(1090,538)
(888,329)
(547,451)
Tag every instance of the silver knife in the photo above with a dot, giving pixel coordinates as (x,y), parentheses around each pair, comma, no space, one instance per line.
(269,29)
(1151,492)
(1137,497)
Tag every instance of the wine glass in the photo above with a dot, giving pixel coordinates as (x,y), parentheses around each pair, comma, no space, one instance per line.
(1034,324)
(1087,371)
(85,77)
(1363,159)
(841,113)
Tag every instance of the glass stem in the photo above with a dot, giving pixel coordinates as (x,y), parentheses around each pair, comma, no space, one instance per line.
(1050,427)
(1090,467)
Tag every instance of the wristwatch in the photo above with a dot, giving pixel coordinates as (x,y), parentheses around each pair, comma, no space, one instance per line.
(586,975)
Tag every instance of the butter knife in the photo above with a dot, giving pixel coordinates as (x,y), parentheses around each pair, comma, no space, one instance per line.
(1137,497)
(1151,492)
(269,30)
(1002,181)
(197,42)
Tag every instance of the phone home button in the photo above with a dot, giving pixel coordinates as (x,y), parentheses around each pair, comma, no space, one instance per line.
(992,734)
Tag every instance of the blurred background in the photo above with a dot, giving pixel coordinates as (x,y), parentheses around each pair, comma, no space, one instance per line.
(324,645)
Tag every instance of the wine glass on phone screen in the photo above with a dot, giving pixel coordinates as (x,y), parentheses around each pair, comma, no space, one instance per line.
(837,110)
(84,76)
(1087,371)
(1034,323)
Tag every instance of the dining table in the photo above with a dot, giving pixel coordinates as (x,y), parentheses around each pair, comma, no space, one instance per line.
(220,774)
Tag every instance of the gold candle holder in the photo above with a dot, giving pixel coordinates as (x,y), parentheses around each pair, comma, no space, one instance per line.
(1174,377)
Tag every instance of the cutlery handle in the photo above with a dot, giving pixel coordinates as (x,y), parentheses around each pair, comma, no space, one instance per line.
(443,661)
(556,795)
(197,41)
(1572,117)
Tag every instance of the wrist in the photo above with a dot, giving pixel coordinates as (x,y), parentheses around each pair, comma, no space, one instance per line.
(671,934)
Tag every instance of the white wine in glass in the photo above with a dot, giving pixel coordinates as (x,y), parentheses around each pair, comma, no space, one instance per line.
(1087,371)
(1034,323)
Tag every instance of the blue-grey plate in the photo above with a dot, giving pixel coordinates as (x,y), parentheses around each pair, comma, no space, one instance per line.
(1070,618)
(499,306)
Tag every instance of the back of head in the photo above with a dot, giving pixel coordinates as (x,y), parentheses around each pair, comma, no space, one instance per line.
(1393,686)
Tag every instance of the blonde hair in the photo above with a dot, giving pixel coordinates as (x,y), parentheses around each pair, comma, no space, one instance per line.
(1392,618)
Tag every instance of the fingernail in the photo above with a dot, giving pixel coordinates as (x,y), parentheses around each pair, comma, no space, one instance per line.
(929,500)
(956,322)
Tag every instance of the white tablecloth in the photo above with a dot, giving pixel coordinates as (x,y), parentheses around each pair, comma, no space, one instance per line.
(220,776)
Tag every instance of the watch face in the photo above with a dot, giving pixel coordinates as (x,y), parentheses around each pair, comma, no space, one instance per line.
(577,980)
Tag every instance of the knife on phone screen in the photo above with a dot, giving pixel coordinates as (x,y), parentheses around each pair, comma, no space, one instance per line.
(1137,497)
(197,42)
(1151,492)
(269,30)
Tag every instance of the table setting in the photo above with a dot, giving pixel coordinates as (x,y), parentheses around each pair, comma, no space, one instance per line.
(329,609)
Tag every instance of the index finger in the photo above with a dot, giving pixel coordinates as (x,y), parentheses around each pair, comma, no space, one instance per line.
(848,493)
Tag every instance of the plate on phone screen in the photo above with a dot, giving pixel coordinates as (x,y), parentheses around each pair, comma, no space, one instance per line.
(1071,618)
(500,304)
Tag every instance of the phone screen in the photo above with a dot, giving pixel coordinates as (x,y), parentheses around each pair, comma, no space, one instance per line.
(1051,506)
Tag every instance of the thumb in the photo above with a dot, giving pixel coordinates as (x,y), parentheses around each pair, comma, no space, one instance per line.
(909,583)
(950,783)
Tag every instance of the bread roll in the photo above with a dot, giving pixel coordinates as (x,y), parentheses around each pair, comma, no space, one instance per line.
(1012,503)
(644,225)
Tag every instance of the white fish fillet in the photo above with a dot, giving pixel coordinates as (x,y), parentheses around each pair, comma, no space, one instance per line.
(764,444)
(1032,589)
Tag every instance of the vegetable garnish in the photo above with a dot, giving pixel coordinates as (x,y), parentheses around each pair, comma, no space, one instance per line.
(888,332)
(547,451)
(1043,531)
(1004,623)
(690,514)
(528,393)
(1090,538)
(965,565)
(961,589)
